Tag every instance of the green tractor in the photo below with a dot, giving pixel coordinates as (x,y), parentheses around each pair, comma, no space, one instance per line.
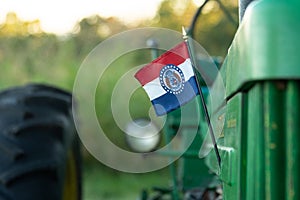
(258,144)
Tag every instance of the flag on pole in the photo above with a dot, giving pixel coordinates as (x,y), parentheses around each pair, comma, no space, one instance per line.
(169,80)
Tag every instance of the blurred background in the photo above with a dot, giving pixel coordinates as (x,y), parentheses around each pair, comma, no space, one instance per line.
(46,42)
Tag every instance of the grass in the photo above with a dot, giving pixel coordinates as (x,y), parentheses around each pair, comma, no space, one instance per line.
(101,182)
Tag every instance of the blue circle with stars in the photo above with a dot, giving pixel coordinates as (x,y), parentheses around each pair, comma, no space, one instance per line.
(172,79)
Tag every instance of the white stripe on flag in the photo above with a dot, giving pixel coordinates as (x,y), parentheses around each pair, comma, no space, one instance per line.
(186,68)
(155,90)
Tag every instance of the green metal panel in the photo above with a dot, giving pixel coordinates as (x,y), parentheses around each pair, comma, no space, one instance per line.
(292,142)
(193,172)
(253,143)
(230,148)
(260,150)
(274,115)
(190,172)
(266,45)
(265,118)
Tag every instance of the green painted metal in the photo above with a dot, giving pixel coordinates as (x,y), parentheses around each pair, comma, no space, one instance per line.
(260,141)
(260,147)
(230,150)
(272,155)
(189,172)
(253,183)
(274,141)
(193,173)
(265,46)
(292,153)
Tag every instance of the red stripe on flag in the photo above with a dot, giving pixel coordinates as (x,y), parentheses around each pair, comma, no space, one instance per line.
(175,56)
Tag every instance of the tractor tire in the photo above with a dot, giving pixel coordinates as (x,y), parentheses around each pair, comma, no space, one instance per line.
(39,148)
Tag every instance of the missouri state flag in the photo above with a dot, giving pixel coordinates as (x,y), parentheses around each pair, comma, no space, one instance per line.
(169,80)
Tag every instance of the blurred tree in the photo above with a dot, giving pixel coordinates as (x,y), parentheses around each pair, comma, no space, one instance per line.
(213,30)
(13,26)
(174,14)
(94,29)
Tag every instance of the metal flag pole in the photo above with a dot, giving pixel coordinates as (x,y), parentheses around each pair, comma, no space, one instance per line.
(211,131)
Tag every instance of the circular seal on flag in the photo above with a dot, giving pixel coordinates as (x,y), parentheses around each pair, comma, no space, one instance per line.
(172,79)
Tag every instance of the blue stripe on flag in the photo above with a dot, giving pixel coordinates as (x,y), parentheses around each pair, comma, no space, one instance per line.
(169,102)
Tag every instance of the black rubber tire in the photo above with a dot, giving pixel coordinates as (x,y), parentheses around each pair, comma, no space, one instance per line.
(38,145)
